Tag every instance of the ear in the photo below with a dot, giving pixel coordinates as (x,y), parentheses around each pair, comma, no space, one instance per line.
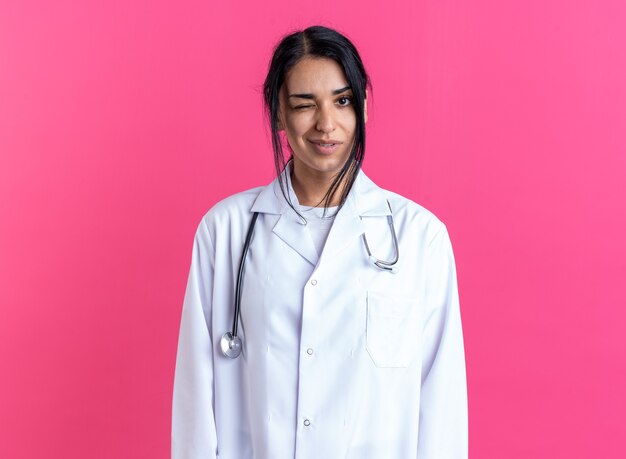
(365,108)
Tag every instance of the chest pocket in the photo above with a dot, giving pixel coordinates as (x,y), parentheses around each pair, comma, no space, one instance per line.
(393,330)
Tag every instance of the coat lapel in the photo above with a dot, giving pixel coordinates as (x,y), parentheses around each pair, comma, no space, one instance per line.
(289,227)
(293,231)
(364,200)
(347,229)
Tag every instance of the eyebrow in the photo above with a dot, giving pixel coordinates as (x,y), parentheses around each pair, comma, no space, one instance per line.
(311,96)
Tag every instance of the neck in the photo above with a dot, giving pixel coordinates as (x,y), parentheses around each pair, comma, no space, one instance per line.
(311,188)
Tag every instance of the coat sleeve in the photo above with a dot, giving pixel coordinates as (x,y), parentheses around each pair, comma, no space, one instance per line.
(443,426)
(193,422)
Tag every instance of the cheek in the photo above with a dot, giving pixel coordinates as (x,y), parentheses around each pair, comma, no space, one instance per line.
(348,120)
(295,127)
(292,135)
(350,129)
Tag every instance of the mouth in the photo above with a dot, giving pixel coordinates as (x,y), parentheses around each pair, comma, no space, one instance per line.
(325,146)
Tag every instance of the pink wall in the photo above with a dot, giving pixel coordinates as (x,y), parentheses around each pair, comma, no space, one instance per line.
(122,122)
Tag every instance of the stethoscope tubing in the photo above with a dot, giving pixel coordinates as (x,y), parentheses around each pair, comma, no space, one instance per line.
(242,264)
(382,264)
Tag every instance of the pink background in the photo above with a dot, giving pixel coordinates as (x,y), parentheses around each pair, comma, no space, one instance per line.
(122,122)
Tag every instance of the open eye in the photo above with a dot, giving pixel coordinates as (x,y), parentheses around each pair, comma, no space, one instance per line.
(344,101)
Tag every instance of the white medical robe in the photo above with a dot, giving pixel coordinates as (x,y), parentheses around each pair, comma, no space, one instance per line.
(341,360)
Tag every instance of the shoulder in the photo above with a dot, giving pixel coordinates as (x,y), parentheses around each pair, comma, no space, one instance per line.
(402,204)
(230,211)
(413,217)
(234,204)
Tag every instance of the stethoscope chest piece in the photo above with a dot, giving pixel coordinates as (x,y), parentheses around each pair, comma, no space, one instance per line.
(230,345)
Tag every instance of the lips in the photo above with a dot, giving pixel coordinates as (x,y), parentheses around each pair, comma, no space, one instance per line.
(325,146)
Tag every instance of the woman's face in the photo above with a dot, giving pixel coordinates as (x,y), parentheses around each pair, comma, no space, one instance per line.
(318,117)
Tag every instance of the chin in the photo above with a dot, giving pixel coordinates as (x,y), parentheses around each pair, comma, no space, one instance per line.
(329,166)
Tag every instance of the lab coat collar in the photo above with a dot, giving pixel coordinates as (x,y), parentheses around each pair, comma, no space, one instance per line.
(365,199)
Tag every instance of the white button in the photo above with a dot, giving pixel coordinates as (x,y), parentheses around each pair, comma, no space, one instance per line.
(307,422)
(314,282)
(309,351)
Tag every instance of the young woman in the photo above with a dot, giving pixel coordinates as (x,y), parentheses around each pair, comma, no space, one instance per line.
(321,318)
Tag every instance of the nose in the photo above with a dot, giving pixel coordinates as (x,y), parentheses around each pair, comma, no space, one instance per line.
(325,119)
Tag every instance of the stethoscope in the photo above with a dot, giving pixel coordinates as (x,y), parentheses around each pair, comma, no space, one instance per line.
(231,344)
